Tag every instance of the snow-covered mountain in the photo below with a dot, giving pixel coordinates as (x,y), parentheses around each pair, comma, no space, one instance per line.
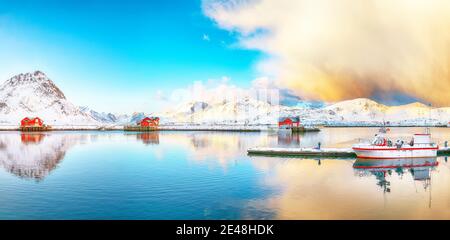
(106,118)
(359,111)
(245,111)
(34,94)
(363,111)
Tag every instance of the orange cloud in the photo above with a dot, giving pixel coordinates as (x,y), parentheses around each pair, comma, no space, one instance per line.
(334,50)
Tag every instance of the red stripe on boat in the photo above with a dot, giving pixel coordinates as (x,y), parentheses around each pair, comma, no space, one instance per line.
(383,158)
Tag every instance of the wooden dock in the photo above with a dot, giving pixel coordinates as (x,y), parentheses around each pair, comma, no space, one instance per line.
(305,129)
(35,129)
(140,128)
(314,152)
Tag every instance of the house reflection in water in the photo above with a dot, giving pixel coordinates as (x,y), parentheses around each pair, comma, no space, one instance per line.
(288,138)
(31,137)
(34,155)
(149,138)
(419,168)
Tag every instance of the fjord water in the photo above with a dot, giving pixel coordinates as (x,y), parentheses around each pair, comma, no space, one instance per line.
(208,175)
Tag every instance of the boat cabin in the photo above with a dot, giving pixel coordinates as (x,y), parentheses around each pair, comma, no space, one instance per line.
(422,139)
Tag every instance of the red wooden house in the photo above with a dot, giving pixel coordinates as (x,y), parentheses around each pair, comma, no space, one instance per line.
(288,122)
(149,122)
(31,122)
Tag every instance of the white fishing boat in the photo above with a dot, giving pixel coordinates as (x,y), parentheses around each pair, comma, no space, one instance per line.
(384,148)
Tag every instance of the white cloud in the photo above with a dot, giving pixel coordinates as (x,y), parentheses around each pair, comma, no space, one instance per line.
(220,90)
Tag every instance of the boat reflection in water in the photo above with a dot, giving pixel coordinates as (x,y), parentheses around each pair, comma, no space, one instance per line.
(33,155)
(419,168)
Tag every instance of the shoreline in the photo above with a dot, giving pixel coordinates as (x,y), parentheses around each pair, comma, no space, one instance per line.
(217,128)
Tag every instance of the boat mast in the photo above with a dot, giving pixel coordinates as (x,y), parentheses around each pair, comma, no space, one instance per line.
(427,127)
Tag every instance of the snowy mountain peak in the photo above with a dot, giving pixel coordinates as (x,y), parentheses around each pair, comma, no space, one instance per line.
(34,94)
(416,105)
(37,81)
(357,104)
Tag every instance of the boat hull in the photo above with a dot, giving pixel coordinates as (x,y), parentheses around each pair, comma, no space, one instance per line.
(393,152)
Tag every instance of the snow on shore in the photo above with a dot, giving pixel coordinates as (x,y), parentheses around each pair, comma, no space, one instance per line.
(34,94)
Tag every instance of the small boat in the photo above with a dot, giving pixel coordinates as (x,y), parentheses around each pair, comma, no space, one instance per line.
(383,148)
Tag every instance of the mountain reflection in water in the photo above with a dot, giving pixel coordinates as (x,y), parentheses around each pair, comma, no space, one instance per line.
(33,155)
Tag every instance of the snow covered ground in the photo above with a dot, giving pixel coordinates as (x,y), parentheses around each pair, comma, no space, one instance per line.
(34,94)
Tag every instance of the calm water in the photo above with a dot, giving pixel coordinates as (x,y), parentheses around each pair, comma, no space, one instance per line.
(208,175)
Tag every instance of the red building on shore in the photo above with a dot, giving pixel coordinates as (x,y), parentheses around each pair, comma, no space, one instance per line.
(31,122)
(149,122)
(288,122)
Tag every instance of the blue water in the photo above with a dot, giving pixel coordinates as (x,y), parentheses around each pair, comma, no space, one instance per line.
(201,175)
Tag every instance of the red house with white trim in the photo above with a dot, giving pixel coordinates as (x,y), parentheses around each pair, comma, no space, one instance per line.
(32,122)
(288,122)
(149,122)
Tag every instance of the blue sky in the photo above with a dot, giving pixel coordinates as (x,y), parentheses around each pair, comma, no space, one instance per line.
(113,56)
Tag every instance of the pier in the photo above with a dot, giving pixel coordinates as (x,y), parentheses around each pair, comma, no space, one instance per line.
(35,129)
(140,128)
(305,129)
(314,152)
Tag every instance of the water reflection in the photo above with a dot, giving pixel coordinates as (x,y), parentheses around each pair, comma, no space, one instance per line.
(34,155)
(419,168)
(289,139)
(148,138)
(354,188)
(211,173)
(221,148)
(31,137)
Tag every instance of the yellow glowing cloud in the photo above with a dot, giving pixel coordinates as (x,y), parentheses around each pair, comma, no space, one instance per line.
(333,50)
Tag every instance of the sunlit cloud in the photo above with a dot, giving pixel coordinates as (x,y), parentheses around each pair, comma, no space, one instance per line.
(334,50)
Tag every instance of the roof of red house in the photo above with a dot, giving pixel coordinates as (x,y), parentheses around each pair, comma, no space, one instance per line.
(27,119)
(293,119)
(150,119)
